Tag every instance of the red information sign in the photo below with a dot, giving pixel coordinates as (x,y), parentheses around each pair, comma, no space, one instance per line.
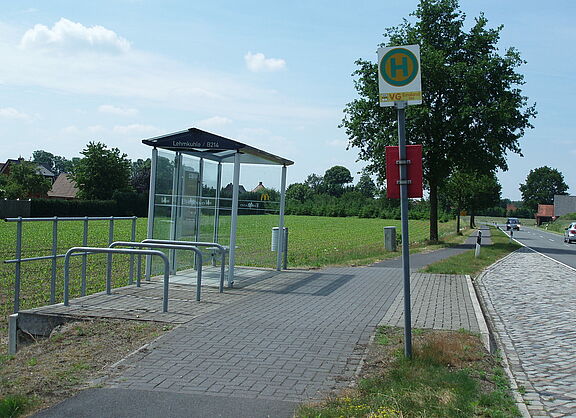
(414,170)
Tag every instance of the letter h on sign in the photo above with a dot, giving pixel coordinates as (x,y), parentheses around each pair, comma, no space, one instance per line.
(414,171)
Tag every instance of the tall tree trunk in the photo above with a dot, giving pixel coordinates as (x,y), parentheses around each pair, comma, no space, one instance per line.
(433,211)
(472,221)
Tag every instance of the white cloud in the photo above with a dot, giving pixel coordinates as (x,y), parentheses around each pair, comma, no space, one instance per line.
(119,111)
(68,36)
(213,122)
(11,113)
(259,63)
(136,129)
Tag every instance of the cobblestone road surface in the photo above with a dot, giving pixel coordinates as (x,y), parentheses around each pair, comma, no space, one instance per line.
(531,302)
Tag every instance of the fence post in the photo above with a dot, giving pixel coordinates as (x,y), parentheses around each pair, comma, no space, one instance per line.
(84,257)
(18,257)
(109,264)
(54,260)
(133,239)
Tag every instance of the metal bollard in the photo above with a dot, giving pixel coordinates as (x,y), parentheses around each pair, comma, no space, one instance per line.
(478,244)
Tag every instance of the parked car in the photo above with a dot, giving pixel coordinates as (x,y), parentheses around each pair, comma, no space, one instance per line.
(513,223)
(570,233)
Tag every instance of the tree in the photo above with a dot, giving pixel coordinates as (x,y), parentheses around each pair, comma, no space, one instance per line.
(334,180)
(140,175)
(298,192)
(485,193)
(541,186)
(314,181)
(473,110)
(25,182)
(55,163)
(366,185)
(101,172)
(471,191)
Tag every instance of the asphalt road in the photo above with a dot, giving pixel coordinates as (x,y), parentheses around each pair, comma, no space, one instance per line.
(547,243)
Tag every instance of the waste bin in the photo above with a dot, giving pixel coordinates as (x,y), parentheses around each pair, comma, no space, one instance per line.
(274,246)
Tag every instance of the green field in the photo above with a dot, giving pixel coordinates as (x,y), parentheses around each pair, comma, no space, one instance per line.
(313,242)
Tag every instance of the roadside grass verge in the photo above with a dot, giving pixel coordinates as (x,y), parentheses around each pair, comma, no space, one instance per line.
(450,375)
(53,369)
(559,224)
(467,263)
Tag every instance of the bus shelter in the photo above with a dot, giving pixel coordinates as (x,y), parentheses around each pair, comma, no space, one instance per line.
(186,197)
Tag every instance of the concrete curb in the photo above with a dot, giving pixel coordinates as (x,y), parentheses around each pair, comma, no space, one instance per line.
(484,332)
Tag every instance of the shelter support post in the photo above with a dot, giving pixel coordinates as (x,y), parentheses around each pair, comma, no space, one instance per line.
(217,202)
(280,246)
(234,221)
(151,198)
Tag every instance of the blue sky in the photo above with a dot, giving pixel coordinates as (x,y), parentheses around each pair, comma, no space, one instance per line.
(275,75)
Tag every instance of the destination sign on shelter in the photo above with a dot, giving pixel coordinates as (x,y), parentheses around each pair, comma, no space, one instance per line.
(399,75)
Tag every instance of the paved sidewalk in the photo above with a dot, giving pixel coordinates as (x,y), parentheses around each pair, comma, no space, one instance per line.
(297,336)
(530,300)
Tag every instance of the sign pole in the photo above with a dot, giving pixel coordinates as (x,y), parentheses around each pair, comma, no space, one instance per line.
(401,109)
(400,85)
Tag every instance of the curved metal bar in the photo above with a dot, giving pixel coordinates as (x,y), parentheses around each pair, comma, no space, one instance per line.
(223,250)
(168,247)
(95,250)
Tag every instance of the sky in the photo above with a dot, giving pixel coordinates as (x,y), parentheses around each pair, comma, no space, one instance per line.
(274,75)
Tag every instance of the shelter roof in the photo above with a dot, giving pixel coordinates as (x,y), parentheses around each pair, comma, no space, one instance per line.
(214,147)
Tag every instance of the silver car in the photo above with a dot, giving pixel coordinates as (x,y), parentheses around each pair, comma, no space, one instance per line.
(570,233)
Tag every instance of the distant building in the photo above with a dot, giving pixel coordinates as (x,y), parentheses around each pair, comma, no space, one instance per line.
(564,204)
(40,169)
(511,207)
(230,188)
(63,188)
(258,188)
(545,214)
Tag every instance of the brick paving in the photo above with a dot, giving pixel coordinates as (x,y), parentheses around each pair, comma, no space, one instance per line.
(530,300)
(298,336)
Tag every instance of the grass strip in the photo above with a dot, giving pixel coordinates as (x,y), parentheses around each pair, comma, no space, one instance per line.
(450,375)
(55,368)
(467,263)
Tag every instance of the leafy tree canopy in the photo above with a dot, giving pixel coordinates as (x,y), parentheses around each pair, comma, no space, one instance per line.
(473,110)
(334,180)
(366,185)
(140,175)
(541,186)
(101,172)
(299,192)
(55,163)
(25,182)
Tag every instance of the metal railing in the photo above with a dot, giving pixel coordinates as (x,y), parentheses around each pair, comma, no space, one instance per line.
(110,252)
(167,247)
(220,248)
(18,260)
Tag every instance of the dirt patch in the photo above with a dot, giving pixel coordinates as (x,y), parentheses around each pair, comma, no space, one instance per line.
(75,355)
